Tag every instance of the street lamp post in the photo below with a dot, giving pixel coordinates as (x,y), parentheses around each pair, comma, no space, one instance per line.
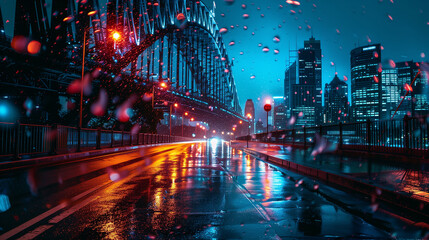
(267,108)
(186,114)
(249,117)
(81,88)
(115,36)
(171,110)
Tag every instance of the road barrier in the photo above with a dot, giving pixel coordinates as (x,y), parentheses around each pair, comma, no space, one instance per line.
(30,139)
(409,135)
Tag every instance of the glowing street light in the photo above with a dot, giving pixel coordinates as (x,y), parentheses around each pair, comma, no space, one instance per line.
(163,85)
(116,36)
(249,117)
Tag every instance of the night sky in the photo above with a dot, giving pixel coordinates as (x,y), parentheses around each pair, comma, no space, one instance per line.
(405,37)
(401,26)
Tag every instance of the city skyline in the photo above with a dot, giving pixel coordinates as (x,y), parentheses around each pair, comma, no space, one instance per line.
(394,35)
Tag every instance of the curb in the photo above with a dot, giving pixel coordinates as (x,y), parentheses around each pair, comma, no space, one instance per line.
(64,158)
(412,204)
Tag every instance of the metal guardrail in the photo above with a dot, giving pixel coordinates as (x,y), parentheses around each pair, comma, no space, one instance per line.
(29,139)
(407,135)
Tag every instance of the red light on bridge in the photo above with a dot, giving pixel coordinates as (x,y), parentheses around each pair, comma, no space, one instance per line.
(92,13)
(408,87)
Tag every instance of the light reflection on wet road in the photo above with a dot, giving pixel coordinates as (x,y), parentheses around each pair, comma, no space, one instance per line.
(194,190)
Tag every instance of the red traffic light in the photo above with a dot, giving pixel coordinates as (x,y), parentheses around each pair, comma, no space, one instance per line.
(267,107)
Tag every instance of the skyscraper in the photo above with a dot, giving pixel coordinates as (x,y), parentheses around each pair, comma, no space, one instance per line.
(366,82)
(336,101)
(249,108)
(307,94)
(392,89)
(290,79)
(279,111)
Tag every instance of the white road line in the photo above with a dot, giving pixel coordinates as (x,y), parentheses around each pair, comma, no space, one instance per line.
(65,214)
(46,214)
(31,222)
(35,232)
(72,210)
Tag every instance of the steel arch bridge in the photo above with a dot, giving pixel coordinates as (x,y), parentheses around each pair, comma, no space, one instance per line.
(176,41)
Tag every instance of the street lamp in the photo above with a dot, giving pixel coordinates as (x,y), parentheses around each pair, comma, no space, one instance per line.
(249,117)
(186,114)
(171,109)
(116,36)
(267,108)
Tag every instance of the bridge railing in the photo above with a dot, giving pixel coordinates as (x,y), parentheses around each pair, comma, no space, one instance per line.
(29,139)
(407,135)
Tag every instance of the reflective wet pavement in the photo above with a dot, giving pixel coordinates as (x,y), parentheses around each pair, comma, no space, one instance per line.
(408,178)
(185,191)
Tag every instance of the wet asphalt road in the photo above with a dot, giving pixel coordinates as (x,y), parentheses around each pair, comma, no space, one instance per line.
(182,191)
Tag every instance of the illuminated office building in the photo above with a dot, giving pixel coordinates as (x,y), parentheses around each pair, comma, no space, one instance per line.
(366,83)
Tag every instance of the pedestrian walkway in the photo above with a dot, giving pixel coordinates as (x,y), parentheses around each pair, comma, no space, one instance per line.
(395,179)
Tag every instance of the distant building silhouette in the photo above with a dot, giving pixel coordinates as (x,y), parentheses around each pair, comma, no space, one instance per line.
(307,94)
(336,101)
(366,83)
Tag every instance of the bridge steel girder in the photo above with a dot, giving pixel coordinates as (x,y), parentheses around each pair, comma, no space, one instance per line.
(149,22)
(196,55)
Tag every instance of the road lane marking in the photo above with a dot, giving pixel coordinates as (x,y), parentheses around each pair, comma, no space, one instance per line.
(31,222)
(72,210)
(35,232)
(52,211)
(46,214)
